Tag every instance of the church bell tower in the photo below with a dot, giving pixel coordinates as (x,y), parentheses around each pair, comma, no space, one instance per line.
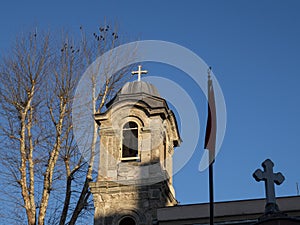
(138,134)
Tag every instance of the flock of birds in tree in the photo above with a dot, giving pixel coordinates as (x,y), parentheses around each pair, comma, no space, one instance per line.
(72,49)
(102,35)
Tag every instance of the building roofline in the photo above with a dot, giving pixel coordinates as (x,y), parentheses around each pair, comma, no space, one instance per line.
(251,207)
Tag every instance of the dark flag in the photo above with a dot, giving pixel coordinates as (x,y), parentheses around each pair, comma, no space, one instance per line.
(211,126)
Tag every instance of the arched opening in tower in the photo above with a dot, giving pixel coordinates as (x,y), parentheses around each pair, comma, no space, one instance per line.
(127,221)
(130,140)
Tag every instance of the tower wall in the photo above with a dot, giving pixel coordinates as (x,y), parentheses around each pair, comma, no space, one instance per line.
(135,188)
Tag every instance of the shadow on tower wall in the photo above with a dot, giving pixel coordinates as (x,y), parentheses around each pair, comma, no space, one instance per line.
(134,201)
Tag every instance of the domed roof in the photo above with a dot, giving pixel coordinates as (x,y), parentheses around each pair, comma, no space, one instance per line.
(138,90)
(136,87)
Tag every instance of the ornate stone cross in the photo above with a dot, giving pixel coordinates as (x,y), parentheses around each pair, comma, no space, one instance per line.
(139,72)
(269,178)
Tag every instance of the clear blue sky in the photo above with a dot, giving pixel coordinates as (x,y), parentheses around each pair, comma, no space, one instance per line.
(254,49)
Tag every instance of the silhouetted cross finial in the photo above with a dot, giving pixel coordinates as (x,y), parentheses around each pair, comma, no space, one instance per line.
(139,72)
(269,178)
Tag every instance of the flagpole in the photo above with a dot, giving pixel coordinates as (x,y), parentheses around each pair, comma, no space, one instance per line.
(211,189)
(210,141)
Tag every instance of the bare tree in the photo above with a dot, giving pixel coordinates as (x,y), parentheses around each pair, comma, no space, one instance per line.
(43,172)
(22,75)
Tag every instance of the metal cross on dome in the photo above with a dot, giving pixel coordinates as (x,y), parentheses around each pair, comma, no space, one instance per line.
(139,72)
(269,177)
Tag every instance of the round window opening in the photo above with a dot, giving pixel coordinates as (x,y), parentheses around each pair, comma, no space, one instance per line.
(127,221)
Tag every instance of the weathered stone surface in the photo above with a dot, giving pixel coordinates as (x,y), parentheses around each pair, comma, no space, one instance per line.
(136,187)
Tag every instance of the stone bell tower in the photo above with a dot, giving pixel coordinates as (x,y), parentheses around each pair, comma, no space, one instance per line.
(138,133)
